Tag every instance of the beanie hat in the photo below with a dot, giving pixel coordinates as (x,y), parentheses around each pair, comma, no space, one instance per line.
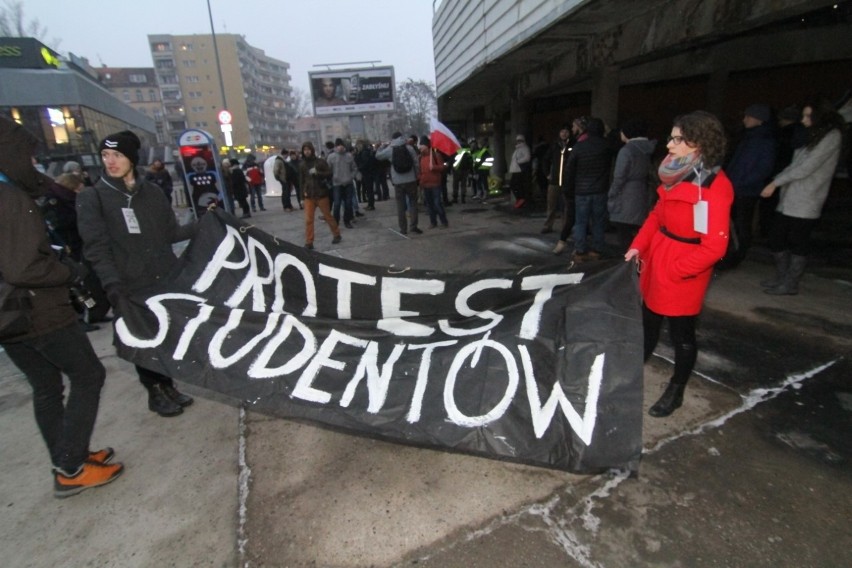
(791,113)
(758,111)
(125,142)
(71,167)
(339,142)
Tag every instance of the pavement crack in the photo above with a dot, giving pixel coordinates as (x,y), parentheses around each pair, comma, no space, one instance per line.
(243,481)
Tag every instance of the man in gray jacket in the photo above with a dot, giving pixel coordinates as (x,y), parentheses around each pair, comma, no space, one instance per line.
(404,182)
(342,182)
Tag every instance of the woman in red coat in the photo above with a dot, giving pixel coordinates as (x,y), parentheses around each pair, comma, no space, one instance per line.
(681,240)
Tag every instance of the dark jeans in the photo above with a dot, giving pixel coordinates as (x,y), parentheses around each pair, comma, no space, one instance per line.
(244,205)
(382,189)
(568,213)
(405,193)
(366,190)
(682,332)
(590,211)
(791,234)
(286,203)
(742,214)
(256,191)
(343,194)
(518,185)
(459,185)
(66,429)
(626,233)
(434,202)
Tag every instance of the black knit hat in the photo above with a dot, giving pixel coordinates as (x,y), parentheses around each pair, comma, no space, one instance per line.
(125,142)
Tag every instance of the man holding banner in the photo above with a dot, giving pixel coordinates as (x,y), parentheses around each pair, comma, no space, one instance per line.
(128,228)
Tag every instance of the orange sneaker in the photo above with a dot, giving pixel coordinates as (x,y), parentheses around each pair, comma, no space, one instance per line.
(102,456)
(90,475)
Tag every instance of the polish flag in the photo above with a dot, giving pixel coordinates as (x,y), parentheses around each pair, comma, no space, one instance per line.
(442,138)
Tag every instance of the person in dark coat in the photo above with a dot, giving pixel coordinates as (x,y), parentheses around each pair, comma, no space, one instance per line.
(38,327)
(128,228)
(749,170)
(588,172)
(160,176)
(629,196)
(238,186)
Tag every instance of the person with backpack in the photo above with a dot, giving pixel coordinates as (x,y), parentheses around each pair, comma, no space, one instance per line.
(38,327)
(404,173)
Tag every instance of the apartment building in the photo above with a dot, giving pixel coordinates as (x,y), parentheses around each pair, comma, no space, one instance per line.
(138,88)
(254,88)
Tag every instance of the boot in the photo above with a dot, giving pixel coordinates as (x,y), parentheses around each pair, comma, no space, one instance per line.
(161,403)
(670,401)
(782,264)
(560,246)
(790,284)
(181,399)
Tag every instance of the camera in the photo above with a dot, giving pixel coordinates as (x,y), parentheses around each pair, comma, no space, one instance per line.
(80,296)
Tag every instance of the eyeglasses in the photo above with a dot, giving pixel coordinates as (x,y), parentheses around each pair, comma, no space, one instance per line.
(675,139)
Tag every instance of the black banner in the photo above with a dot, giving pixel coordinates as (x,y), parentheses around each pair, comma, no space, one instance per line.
(540,365)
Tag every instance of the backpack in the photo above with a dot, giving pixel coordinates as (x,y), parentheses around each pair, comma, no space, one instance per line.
(401,159)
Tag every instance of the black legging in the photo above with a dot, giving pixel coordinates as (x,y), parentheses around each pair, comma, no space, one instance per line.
(682,332)
(791,234)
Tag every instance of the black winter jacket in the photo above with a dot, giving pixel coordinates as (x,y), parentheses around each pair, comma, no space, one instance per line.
(26,259)
(589,166)
(134,261)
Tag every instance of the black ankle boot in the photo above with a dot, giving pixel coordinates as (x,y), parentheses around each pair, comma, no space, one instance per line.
(180,398)
(161,403)
(670,401)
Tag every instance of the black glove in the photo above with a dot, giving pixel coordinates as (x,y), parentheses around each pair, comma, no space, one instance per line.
(119,297)
(78,270)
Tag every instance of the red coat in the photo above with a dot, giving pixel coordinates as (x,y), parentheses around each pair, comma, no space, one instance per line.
(675,275)
(431,167)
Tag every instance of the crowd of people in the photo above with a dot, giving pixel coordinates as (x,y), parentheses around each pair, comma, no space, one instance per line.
(678,221)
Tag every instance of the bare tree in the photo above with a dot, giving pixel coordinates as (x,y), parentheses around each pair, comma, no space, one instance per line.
(302,105)
(13,23)
(417,103)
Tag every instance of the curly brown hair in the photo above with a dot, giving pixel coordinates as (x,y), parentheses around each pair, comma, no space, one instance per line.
(703,129)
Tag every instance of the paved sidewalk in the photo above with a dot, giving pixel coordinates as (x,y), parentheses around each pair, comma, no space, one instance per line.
(310,496)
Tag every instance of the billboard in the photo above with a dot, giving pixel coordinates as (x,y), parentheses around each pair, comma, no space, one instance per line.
(352,91)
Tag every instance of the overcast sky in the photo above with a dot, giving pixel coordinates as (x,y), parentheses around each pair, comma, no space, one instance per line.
(300,32)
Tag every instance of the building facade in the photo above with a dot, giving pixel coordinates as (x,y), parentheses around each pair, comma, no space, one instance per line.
(253,87)
(136,87)
(510,66)
(62,103)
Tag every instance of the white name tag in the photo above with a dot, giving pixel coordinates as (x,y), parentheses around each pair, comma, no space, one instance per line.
(699,217)
(131,221)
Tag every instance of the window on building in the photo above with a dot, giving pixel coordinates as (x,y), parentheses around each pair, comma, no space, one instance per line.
(192,78)
(161,46)
(125,95)
(152,95)
(186,47)
(189,62)
(164,63)
(139,97)
(137,78)
(168,79)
